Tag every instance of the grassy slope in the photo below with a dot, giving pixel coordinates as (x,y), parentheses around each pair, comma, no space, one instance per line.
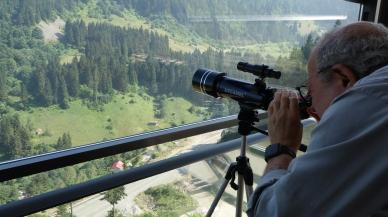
(176,111)
(181,38)
(87,126)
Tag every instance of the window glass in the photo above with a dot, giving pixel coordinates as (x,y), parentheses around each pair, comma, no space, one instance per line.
(74,72)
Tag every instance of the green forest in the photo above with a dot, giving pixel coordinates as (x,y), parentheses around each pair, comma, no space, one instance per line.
(111,60)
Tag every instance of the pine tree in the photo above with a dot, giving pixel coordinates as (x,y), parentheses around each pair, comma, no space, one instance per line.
(69,35)
(307,47)
(120,79)
(62,92)
(84,70)
(14,137)
(3,84)
(47,94)
(64,142)
(132,75)
(72,78)
(23,93)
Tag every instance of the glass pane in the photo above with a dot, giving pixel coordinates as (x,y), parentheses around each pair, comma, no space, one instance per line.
(77,72)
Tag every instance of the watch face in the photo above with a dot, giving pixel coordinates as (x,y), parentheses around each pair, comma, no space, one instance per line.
(271,151)
(274,149)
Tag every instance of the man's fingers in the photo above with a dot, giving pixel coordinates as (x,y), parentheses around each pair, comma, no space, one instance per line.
(294,105)
(270,109)
(284,101)
(275,103)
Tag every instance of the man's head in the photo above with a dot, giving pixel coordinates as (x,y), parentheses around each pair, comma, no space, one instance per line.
(342,57)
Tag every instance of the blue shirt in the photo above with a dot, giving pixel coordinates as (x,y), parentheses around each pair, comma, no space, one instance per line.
(345,169)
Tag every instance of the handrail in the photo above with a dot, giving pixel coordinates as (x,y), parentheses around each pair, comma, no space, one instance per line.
(58,159)
(60,196)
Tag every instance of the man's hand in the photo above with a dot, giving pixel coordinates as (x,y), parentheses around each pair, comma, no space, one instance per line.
(284,125)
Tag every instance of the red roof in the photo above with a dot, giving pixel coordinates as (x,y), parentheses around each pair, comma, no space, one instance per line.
(118,165)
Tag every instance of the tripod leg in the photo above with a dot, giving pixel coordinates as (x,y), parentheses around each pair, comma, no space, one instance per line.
(248,191)
(240,195)
(217,198)
(248,177)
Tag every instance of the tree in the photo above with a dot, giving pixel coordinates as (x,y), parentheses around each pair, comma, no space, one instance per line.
(113,196)
(64,142)
(23,94)
(132,76)
(39,183)
(37,33)
(14,137)
(72,78)
(63,212)
(8,193)
(3,84)
(63,95)
(307,47)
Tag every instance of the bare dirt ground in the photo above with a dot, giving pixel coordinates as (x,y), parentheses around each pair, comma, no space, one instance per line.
(52,31)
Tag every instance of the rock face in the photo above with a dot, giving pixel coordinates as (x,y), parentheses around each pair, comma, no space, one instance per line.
(52,31)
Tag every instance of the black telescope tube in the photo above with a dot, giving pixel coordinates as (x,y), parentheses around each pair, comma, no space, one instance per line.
(216,84)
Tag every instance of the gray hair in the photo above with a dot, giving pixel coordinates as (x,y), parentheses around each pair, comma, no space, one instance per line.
(363,52)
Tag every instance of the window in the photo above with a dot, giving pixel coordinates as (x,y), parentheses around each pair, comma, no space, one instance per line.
(75,72)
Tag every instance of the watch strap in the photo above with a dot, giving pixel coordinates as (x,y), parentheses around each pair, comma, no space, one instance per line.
(277,149)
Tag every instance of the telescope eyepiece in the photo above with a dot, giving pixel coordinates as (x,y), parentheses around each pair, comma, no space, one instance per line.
(263,71)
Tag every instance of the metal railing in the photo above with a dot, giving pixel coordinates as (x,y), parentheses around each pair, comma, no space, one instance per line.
(32,165)
(58,159)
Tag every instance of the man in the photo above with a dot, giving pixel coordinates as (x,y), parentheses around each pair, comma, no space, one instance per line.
(345,169)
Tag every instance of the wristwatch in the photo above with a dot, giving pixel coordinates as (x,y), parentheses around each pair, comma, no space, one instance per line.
(276,150)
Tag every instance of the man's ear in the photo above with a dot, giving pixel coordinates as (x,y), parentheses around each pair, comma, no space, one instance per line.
(346,75)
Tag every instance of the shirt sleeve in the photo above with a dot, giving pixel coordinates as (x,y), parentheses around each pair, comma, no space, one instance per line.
(340,171)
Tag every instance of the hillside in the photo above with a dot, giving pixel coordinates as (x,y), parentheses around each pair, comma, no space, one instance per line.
(115,119)
(186,35)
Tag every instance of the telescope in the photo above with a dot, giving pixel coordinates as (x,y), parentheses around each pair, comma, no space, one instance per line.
(250,96)
(254,95)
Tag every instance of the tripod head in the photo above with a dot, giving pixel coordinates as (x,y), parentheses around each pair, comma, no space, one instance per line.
(247,117)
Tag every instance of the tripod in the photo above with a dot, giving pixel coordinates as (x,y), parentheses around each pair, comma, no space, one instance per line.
(247,116)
